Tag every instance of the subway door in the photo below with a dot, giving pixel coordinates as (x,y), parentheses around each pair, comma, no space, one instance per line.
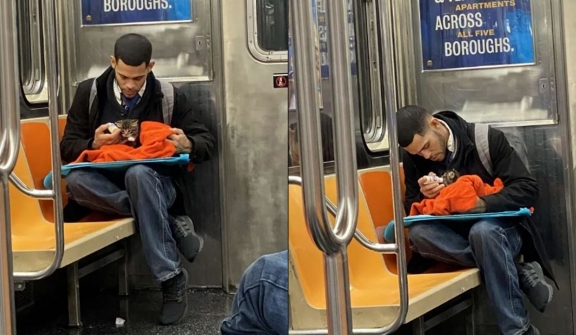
(254,163)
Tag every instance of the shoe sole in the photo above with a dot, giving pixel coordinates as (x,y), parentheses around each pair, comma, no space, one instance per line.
(540,274)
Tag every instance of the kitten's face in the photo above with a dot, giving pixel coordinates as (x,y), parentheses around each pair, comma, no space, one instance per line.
(128,129)
(450,177)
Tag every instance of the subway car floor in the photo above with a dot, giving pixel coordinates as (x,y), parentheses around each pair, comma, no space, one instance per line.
(101,308)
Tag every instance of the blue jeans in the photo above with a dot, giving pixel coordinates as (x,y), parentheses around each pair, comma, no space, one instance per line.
(140,192)
(260,305)
(491,245)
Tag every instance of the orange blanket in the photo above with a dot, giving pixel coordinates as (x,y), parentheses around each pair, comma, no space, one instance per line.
(153,145)
(459,197)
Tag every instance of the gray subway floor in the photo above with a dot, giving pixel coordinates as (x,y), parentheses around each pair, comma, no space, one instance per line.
(100,309)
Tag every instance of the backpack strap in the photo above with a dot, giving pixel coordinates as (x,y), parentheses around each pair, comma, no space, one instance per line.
(167,101)
(93,92)
(482,146)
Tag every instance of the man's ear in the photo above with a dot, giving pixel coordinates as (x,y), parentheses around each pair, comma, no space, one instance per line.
(113,62)
(434,123)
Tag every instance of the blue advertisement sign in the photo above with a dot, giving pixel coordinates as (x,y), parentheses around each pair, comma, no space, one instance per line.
(323,36)
(459,34)
(107,12)
(292,102)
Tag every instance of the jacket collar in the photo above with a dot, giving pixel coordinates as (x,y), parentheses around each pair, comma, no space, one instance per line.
(459,128)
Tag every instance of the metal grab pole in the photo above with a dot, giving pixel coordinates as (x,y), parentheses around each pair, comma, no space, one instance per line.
(345,144)
(9,149)
(382,248)
(49,26)
(309,128)
(386,29)
(9,88)
(7,307)
(331,242)
(331,258)
(339,311)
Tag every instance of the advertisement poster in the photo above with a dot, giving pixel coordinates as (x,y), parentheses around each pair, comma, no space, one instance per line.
(467,34)
(112,12)
(291,72)
(323,37)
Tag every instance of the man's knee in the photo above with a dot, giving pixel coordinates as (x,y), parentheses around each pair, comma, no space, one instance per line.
(77,178)
(138,174)
(418,232)
(270,267)
(483,231)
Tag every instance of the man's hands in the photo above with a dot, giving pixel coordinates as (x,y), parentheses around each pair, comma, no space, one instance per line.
(180,141)
(430,189)
(101,138)
(480,207)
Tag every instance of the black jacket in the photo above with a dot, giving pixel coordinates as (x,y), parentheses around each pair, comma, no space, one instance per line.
(521,189)
(82,122)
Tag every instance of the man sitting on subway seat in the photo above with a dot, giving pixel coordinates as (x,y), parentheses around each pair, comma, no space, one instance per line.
(444,141)
(128,92)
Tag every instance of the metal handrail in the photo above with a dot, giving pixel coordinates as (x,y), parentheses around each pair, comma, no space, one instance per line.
(333,243)
(345,141)
(39,194)
(309,128)
(374,246)
(362,239)
(49,26)
(9,88)
(9,150)
(386,27)
(386,248)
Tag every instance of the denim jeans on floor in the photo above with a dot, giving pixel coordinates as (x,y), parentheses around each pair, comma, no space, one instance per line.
(260,305)
(140,192)
(490,244)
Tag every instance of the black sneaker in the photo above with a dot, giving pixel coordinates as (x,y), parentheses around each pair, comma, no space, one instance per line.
(175,293)
(534,285)
(188,242)
(74,212)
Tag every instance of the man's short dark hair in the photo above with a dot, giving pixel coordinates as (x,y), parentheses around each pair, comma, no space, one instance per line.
(133,50)
(412,120)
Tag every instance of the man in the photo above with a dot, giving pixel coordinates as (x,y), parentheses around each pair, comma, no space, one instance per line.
(436,143)
(260,305)
(128,90)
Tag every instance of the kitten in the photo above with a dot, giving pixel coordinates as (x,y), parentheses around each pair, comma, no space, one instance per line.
(447,178)
(128,129)
(450,176)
